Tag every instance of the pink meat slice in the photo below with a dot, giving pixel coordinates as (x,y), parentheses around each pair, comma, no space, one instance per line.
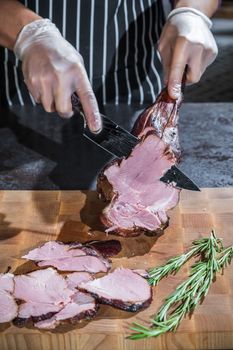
(82,306)
(37,310)
(8,306)
(122,288)
(54,250)
(74,279)
(43,292)
(88,263)
(141,199)
(42,286)
(7,282)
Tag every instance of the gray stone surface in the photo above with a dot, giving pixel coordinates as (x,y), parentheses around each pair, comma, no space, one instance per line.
(206,136)
(42,151)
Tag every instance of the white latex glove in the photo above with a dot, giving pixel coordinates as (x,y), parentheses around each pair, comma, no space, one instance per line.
(53,70)
(186,39)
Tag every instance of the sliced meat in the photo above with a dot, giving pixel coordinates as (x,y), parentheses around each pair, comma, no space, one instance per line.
(82,306)
(8,305)
(141,199)
(54,250)
(35,312)
(74,279)
(42,293)
(122,289)
(106,248)
(74,256)
(88,263)
(7,282)
(138,199)
(50,287)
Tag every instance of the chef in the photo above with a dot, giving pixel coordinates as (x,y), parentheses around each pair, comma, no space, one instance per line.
(105,51)
(117,40)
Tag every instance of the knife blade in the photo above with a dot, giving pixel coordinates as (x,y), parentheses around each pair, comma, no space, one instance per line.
(112,138)
(119,142)
(176,176)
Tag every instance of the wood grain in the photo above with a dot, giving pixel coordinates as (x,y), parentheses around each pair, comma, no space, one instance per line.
(28,218)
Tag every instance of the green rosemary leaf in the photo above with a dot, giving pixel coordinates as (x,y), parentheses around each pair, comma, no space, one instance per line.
(174,264)
(226,257)
(189,293)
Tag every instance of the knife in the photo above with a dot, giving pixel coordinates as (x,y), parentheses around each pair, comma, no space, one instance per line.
(119,142)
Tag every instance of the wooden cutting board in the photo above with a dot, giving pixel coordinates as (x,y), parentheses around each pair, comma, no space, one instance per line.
(29,218)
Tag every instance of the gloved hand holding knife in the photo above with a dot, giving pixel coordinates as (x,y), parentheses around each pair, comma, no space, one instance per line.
(52,68)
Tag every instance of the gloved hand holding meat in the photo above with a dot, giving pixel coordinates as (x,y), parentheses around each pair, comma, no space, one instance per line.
(186,40)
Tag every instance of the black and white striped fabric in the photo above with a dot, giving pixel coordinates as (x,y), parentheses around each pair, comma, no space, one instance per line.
(117,39)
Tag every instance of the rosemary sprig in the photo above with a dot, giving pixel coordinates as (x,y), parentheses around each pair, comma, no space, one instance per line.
(189,293)
(226,257)
(174,264)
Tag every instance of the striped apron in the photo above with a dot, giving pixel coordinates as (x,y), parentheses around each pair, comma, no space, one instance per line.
(117,39)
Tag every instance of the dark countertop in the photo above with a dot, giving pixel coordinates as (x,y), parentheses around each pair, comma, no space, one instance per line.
(42,151)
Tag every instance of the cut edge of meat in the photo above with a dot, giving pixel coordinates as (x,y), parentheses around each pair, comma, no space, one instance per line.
(8,305)
(57,319)
(135,231)
(51,246)
(21,322)
(60,264)
(131,306)
(118,304)
(73,279)
(85,315)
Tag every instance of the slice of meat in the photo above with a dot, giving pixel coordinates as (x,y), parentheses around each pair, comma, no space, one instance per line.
(54,250)
(141,200)
(75,256)
(8,305)
(82,306)
(35,312)
(42,286)
(74,279)
(42,293)
(138,199)
(122,289)
(7,282)
(88,263)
